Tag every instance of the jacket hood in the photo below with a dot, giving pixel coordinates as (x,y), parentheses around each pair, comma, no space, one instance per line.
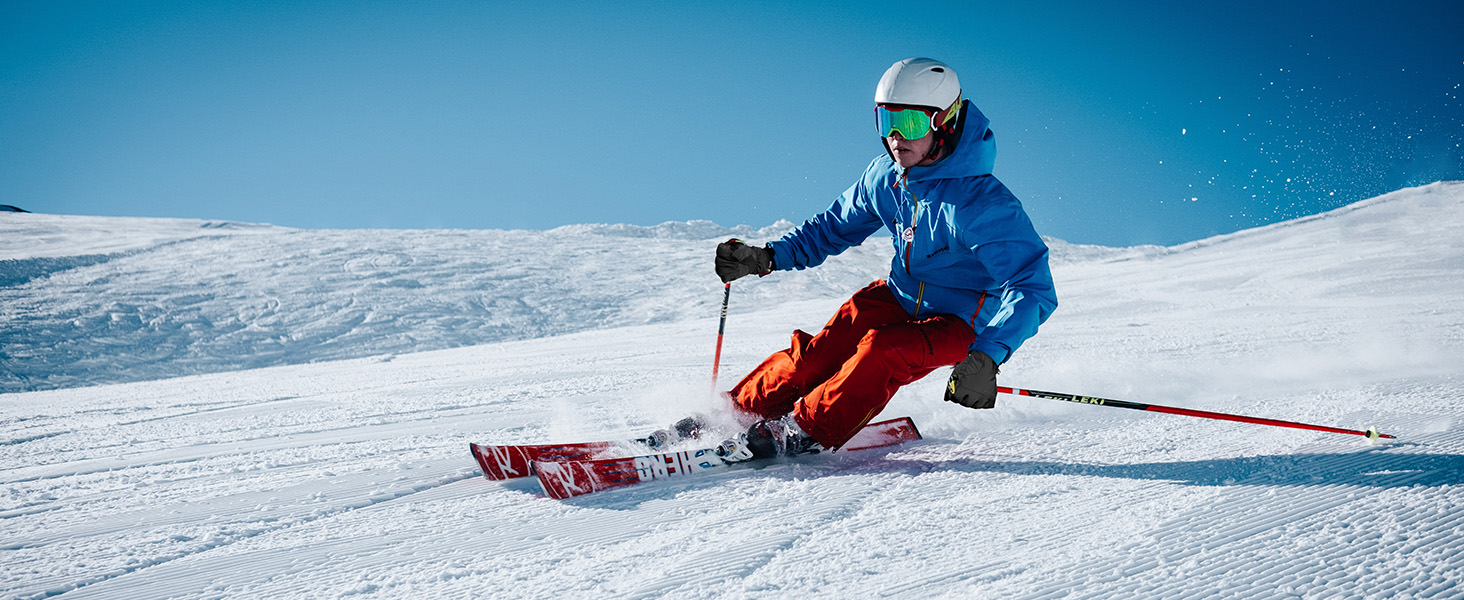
(975,153)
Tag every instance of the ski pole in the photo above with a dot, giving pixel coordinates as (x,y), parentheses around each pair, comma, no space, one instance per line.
(1371,433)
(717,360)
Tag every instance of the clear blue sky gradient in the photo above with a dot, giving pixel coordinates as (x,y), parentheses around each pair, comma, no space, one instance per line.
(1126,123)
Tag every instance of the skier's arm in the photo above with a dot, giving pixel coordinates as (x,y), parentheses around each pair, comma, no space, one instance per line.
(1027,296)
(847,223)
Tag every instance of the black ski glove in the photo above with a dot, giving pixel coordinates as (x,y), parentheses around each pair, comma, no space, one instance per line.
(973,382)
(736,259)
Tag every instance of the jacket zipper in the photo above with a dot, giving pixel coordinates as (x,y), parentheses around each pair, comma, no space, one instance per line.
(914,221)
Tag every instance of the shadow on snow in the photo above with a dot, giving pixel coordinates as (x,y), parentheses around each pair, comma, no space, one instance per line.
(1377,467)
(1382,467)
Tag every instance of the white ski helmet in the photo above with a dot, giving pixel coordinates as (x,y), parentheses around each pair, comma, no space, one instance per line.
(919,82)
(927,84)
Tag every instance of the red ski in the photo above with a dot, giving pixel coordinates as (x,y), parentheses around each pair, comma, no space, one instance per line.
(501,462)
(510,462)
(569,478)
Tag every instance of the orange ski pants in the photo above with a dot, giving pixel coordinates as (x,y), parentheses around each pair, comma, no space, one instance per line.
(838,380)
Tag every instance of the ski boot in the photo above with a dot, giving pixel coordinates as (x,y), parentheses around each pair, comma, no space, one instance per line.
(734,449)
(685,429)
(769,438)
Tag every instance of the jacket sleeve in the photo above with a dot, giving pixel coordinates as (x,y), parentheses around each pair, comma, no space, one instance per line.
(850,221)
(1026,297)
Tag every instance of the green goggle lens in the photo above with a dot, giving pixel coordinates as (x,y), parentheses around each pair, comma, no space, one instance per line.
(912,123)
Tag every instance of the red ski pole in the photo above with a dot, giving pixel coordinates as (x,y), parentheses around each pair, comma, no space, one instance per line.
(717,360)
(1371,433)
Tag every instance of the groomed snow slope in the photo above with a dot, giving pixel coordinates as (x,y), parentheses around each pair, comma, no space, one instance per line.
(351,479)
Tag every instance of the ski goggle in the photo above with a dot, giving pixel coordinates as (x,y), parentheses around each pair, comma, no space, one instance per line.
(912,122)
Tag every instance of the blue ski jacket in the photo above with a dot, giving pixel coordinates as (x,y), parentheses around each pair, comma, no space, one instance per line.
(963,244)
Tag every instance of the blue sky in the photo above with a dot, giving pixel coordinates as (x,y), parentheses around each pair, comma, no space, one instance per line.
(1116,123)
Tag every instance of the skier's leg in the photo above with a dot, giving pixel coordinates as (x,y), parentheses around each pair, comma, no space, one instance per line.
(770,390)
(887,358)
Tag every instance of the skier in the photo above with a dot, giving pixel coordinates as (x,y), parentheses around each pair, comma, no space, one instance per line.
(969,281)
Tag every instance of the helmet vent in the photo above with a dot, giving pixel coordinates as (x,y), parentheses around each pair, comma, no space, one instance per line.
(918,82)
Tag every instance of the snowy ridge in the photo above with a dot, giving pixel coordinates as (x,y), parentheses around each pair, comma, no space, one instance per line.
(690,230)
(352,479)
(1385,212)
(173,298)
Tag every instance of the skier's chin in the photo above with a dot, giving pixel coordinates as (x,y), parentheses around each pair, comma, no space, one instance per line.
(906,158)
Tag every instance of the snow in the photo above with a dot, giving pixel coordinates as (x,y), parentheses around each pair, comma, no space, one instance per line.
(225,410)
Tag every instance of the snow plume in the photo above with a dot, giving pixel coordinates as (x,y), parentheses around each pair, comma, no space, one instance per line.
(292,475)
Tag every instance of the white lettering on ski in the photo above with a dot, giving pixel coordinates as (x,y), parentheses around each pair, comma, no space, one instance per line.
(661,466)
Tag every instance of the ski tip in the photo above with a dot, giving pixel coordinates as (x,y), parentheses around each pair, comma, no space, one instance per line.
(914,431)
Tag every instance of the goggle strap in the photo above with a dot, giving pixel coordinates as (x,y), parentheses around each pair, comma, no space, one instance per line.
(950,113)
